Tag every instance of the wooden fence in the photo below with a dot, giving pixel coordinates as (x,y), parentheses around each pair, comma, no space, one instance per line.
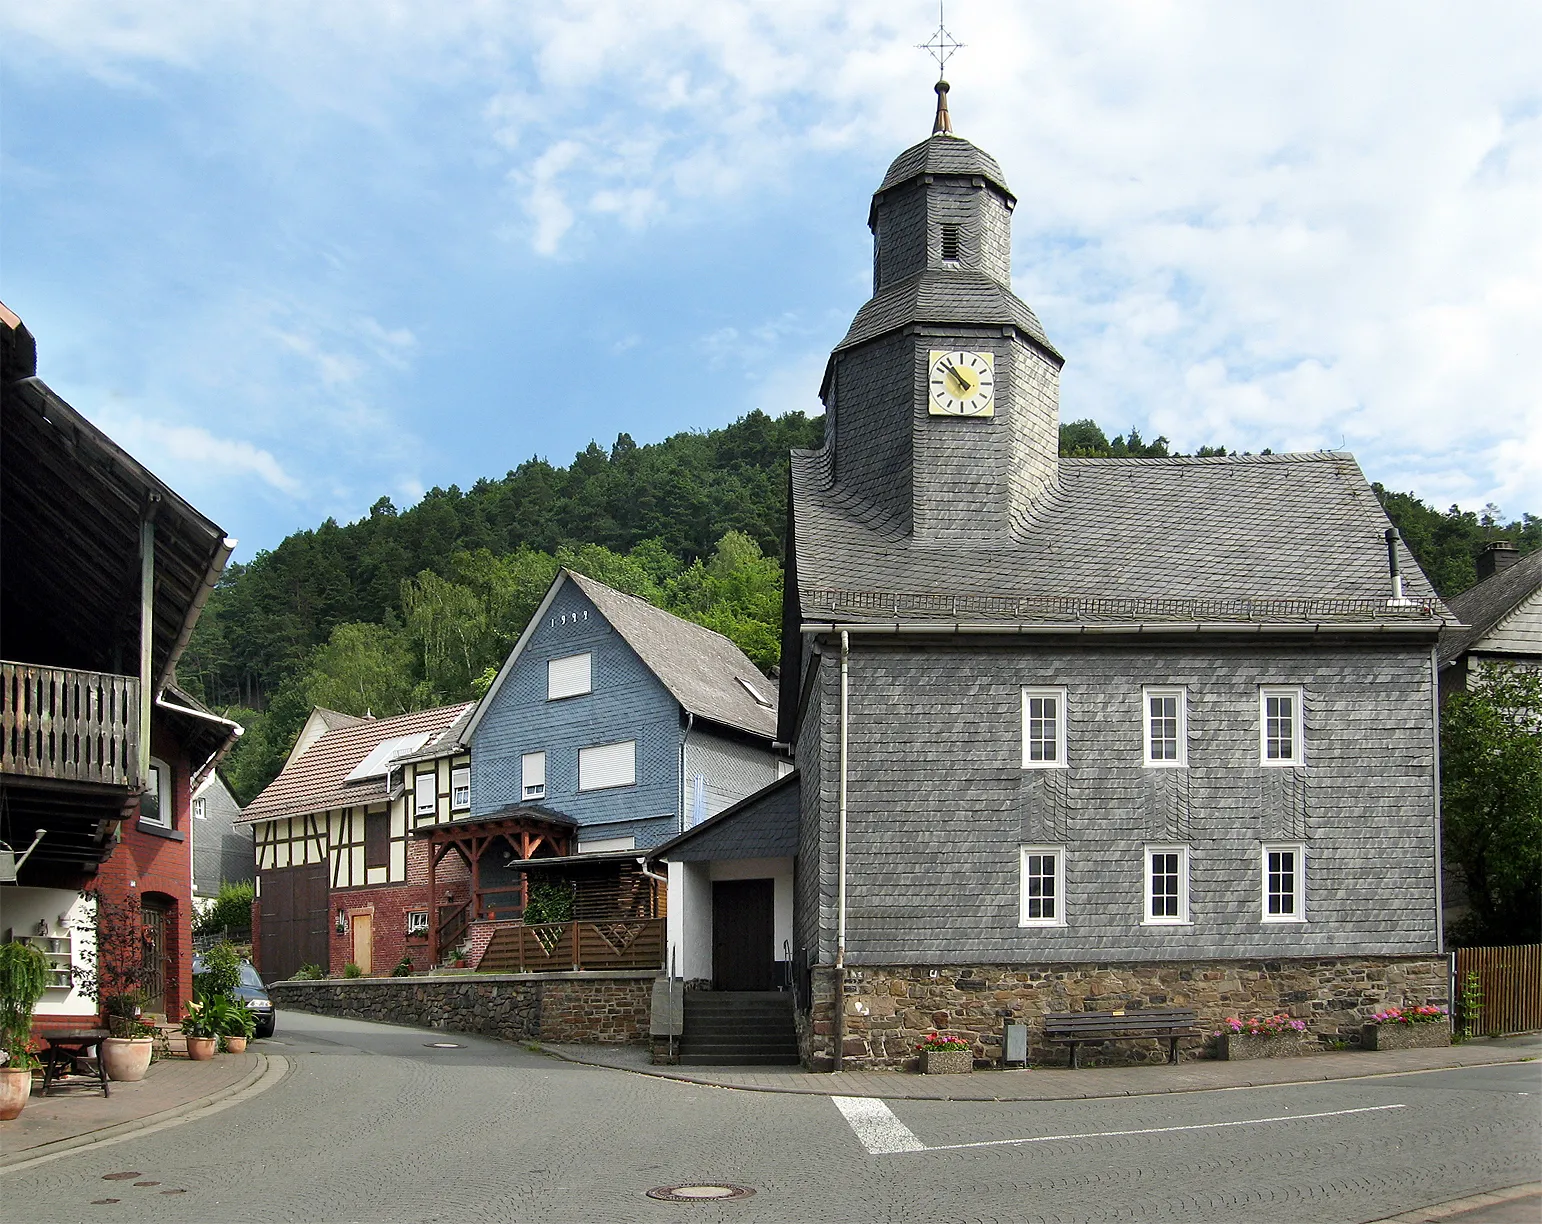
(622,943)
(1511,983)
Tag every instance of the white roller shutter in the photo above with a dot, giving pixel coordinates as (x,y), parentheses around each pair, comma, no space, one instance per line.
(607,765)
(532,769)
(567,677)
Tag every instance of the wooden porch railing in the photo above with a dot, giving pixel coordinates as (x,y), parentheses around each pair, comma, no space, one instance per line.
(620,943)
(73,726)
(453,920)
(1510,980)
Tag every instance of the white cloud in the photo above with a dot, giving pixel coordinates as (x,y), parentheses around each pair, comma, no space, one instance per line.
(190,453)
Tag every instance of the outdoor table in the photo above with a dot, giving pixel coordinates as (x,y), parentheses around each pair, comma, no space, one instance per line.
(64,1049)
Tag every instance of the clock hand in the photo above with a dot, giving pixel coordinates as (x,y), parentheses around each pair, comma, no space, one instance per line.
(959,378)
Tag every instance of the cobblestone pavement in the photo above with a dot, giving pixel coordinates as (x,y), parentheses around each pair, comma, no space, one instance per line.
(374,1124)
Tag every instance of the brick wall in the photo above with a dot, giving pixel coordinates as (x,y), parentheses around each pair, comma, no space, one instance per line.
(577,1007)
(889,1008)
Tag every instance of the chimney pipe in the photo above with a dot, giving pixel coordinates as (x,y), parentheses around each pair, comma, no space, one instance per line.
(1497,556)
(1394,566)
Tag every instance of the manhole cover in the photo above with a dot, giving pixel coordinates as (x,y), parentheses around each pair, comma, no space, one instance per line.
(699,1193)
(121,1176)
(444,1045)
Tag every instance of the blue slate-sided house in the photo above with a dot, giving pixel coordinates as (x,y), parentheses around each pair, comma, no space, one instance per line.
(611,727)
(1082,733)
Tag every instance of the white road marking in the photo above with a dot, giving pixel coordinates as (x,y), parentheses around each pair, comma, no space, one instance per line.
(883,1134)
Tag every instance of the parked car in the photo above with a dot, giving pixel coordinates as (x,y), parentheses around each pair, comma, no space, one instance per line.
(254,994)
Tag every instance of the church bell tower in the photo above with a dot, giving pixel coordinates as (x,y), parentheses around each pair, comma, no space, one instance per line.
(942,411)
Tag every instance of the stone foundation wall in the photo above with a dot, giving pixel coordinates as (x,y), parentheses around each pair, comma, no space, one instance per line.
(890,1008)
(578,1007)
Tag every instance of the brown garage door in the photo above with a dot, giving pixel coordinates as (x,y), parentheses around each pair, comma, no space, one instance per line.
(293,917)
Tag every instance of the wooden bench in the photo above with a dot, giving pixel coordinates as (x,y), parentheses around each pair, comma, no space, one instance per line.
(1164,1023)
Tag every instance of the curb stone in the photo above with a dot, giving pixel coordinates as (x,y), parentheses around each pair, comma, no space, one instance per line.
(270,1069)
(1455,1207)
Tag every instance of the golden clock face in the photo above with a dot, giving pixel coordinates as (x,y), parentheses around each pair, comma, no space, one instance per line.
(961,384)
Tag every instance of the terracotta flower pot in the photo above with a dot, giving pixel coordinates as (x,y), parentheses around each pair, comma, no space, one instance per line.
(127,1058)
(15,1088)
(946,1062)
(235,1045)
(200,1048)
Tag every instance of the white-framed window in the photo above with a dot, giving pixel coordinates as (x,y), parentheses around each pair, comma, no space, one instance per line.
(417,922)
(1166,721)
(460,788)
(1167,885)
(1044,728)
(532,775)
(1043,887)
(607,765)
(200,809)
(425,794)
(1283,883)
(569,676)
(155,801)
(1279,726)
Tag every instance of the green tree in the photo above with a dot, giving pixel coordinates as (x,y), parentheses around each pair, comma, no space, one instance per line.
(1491,804)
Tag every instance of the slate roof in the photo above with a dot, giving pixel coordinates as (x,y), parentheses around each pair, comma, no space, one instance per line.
(943,296)
(314,782)
(1482,607)
(451,740)
(700,668)
(944,154)
(1239,538)
(762,825)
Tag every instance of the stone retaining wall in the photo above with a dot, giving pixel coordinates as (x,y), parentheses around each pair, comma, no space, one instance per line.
(611,1008)
(890,1008)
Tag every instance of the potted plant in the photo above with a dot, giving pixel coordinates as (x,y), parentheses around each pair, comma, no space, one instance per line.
(24,976)
(1407,1028)
(1276,1036)
(127,1053)
(199,1027)
(945,1055)
(237,1025)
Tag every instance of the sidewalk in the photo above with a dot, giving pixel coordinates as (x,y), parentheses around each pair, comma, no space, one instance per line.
(1056,1084)
(80,1115)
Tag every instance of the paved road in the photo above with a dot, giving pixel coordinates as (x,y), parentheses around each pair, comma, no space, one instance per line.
(373,1124)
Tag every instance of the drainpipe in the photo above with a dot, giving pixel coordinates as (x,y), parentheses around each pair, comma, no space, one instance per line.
(840,869)
(1440,899)
(690,721)
(1394,565)
(146,632)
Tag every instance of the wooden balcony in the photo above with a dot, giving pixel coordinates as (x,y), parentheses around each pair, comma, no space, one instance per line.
(619,943)
(69,726)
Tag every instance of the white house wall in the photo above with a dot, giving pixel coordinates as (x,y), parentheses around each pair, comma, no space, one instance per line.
(690,909)
(730,770)
(66,913)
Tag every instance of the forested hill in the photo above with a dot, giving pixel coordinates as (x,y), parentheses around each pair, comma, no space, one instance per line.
(407,609)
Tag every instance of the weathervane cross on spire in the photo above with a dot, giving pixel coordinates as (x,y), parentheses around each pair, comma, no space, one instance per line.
(941,48)
(942,44)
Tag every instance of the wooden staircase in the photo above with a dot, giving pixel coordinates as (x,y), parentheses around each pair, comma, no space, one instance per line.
(738,1028)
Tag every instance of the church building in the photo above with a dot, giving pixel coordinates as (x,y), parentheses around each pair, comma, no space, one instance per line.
(1082,733)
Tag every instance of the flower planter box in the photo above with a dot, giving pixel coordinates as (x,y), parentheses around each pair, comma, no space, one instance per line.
(1235,1046)
(946,1062)
(1405,1036)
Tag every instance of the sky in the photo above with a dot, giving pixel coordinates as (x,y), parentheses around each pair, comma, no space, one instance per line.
(300,255)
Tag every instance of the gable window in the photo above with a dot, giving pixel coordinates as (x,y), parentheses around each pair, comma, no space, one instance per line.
(460,789)
(532,775)
(568,677)
(425,794)
(950,242)
(200,809)
(1167,885)
(1166,720)
(377,839)
(1279,726)
(1042,901)
(1284,880)
(155,801)
(1043,728)
(607,765)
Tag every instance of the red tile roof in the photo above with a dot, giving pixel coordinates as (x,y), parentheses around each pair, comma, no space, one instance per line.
(316,780)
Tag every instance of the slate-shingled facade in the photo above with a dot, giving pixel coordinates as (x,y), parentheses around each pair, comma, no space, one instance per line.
(951,565)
